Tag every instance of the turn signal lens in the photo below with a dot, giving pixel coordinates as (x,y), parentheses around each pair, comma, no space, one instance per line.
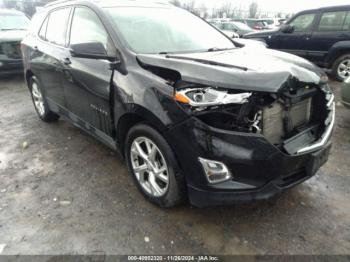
(181,98)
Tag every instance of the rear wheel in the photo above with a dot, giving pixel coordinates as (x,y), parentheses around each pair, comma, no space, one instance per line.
(154,168)
(341,67)
(39,101)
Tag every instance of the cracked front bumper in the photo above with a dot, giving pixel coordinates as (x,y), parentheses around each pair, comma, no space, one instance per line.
(259,169)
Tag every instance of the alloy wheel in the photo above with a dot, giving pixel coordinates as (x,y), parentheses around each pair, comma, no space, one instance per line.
(38,99)
(149,166)
(344,69)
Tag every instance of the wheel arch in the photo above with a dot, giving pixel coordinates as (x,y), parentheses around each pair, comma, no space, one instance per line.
(133,117)
(28,75)
(337,50)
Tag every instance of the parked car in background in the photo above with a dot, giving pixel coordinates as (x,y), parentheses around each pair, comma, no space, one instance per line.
(195,115)
(229,33)
(345,93)
(271,23)
(13,26)
(282,21)
(320,35)
(235,27)
(255,24)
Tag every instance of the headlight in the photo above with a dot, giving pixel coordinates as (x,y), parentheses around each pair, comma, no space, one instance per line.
(202,97)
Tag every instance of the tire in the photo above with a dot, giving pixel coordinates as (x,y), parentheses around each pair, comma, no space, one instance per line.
(343,61)
(164,194)
(40,103)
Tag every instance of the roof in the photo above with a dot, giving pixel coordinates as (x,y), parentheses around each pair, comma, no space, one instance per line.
(328,8)
(115,3)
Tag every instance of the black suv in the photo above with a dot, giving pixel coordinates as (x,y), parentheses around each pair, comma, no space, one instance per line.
(190,110)
(321,36)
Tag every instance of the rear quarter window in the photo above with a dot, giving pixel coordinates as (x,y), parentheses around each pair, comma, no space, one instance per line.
(36,22)
(332,21)
(346,26)
(57,25)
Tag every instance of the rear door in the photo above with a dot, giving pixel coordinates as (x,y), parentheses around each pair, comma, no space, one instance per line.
(332,27)
(87,81)
(296,41)
(48,52)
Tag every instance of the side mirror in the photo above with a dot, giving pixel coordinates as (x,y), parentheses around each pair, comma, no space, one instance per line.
(287,29)
(92,50)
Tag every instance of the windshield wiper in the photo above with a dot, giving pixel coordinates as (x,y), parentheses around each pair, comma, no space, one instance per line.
(165,53)
(216,49)
(12,29)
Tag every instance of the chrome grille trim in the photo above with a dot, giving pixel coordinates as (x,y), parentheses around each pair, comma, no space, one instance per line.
(324,138)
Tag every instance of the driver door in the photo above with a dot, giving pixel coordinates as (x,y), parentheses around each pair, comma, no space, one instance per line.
(296,41)
(87,81)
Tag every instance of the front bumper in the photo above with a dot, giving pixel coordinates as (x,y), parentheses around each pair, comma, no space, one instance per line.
(9,67)
(260,170)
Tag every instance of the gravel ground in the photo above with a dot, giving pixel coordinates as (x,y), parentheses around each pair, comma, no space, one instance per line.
(62,192)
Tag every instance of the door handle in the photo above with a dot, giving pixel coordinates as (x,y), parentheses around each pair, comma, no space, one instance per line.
(66,61)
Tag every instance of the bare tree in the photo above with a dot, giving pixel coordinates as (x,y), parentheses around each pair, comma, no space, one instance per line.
(203,11)
(191,6)
(253,10)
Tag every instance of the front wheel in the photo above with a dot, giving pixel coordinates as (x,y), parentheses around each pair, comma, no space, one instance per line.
(153,166)
(39,101)
(341,68)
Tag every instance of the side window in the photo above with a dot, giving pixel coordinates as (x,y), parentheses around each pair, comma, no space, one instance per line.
(57,26)
(42,32)
(303,22)
(346,26)
(332,21)
(87,27)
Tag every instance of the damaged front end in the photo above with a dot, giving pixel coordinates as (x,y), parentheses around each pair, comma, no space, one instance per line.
(296,119)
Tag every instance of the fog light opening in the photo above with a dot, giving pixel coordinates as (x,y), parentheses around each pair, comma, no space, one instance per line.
(215,172)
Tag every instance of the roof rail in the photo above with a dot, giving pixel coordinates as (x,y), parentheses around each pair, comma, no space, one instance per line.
(152,1)
(58,2)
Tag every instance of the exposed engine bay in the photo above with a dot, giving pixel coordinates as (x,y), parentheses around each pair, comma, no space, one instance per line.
(292,118)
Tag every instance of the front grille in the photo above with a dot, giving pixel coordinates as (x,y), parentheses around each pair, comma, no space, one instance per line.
(280,121)
(11,49)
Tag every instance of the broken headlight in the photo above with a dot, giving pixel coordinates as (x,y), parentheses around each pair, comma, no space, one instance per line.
(208,96)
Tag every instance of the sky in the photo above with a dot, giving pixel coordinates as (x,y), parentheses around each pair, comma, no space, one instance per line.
(287,6)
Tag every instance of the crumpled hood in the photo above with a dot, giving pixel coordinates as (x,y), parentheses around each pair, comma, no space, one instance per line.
(253,68)
(12,35)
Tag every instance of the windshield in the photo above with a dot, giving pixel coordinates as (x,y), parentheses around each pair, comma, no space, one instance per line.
(163,30)
(13,22)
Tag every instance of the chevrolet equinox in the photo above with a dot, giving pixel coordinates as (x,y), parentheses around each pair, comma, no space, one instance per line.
(195,114)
